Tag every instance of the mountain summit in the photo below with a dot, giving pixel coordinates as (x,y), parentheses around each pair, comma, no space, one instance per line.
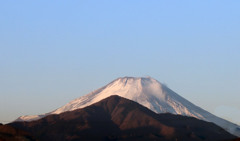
(147,92)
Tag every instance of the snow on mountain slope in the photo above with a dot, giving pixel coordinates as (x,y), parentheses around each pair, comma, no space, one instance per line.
(148,92)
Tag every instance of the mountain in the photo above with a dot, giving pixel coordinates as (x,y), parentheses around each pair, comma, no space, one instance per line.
(147,92)
(117,118)
(238,139)
(9,133)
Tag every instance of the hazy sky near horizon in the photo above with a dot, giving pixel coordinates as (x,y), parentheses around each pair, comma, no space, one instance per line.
(54,51)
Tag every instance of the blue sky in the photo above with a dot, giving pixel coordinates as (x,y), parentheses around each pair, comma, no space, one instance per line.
(54,51)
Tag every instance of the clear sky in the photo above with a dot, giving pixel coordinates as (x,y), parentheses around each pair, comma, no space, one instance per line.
(54,51)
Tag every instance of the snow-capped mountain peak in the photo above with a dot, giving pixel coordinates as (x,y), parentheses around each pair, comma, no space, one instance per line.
(147,92)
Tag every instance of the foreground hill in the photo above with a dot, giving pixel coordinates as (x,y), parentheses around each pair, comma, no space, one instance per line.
(8,133)
(117,118)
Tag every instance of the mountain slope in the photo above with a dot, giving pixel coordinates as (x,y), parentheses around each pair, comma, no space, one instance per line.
(117,118)
(149,93)
(8,133)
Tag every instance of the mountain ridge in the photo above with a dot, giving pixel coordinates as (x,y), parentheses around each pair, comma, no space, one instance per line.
(118,118)
(147,92)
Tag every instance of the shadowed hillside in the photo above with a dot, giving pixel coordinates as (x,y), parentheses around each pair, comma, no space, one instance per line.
(8,133)
(117,118)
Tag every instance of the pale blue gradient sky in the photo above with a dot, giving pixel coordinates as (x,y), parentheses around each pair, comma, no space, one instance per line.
(54,51)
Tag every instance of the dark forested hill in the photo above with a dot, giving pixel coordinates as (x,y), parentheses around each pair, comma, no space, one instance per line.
(117,118)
